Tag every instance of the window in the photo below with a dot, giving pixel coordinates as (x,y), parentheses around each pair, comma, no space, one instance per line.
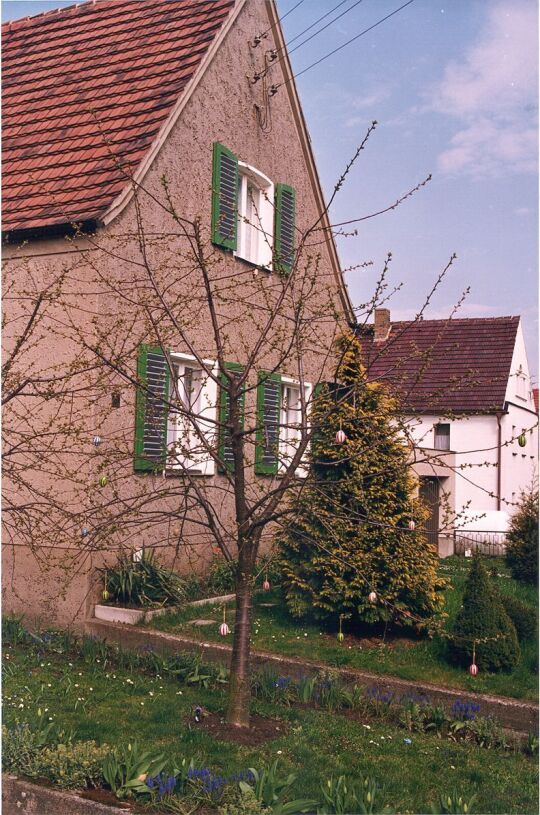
(279,423)
(291,422)
(251,215)
(441,436)
(192,410)
(255,217)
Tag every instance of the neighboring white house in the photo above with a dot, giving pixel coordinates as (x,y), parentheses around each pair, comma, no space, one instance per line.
(469,411)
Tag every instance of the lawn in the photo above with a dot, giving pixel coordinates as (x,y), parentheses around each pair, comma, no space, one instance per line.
(421,659)
(101,700)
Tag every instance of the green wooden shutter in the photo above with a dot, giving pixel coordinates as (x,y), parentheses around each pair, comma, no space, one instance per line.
(224,197)
(151,411)
(225,446)
(268,421)
(284,228)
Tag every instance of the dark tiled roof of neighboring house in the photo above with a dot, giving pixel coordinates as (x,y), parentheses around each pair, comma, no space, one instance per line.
(441,366)
(86,90)
(535,397)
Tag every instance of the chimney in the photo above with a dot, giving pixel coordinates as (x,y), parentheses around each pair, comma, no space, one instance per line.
(382,324)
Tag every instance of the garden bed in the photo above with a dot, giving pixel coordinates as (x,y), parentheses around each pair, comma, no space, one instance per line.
(401,655)
(132,616)
(112,698)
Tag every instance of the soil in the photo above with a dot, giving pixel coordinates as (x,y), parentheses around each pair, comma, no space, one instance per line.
(260,731)
(103,797)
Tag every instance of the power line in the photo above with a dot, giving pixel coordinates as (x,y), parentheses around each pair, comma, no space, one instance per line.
(312,24)
(264,33)
(300,44)
(340,47)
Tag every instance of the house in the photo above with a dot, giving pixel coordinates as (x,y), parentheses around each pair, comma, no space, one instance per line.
(155,157)
(468,410)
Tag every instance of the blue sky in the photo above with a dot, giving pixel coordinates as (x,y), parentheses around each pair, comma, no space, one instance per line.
(453,86)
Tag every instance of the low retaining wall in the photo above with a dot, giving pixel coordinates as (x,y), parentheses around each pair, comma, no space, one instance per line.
(512,713)
(20,797)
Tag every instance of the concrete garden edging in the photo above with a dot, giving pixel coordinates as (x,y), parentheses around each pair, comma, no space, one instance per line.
(21,797)
(132,616)
(513,714)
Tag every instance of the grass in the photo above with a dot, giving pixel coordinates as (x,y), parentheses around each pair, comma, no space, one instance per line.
(115,706)
(421,659)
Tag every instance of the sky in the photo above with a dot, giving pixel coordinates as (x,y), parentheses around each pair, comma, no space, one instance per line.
(454,89)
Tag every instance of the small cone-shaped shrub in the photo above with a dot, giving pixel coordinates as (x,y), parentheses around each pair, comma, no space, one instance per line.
(522,542)
(482,618)
(348,534)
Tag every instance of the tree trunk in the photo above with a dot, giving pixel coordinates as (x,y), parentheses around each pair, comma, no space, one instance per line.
(240,680)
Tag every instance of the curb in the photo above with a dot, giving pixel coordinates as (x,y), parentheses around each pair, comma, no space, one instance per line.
(513,714)
(21,797)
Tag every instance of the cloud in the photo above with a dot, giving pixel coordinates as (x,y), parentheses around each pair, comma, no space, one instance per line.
(492,93)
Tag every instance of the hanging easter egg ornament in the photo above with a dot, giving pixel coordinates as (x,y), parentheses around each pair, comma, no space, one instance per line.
(340,635)
(96,441)
(341,438)
(412,525)
(224,628)
(266,584)
(522,440)
(105,594)
(372,597)
(103,481)
(473,668)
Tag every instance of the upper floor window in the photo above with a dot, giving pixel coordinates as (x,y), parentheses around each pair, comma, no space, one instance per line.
(255,217)
(441,436)
(252,215)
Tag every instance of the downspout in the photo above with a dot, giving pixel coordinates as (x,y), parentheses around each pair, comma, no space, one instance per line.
(499,456)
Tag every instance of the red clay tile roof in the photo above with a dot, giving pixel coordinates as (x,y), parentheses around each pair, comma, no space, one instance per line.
(85,86)
(535,397)
(442,366)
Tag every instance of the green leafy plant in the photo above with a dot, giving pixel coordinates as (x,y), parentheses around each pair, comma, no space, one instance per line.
(245,803)
(437,719)
(20,749)
(522,539)
(72,765)
(483,621)
(524,617)
(13,630)
(412,716)
(271,789)
(487,732)
(142,582)
(342,796)
(531,746)
(453,804)
(126,768)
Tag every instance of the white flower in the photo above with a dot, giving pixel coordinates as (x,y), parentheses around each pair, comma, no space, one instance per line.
(279,752)
(366,726)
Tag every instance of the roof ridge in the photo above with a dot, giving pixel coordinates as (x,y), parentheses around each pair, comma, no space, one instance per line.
(18,22)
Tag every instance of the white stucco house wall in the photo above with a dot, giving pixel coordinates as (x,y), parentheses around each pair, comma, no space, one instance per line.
(469,412)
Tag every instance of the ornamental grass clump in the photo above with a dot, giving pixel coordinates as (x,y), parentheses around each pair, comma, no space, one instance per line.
(142,582)
(483,626)
(354,544)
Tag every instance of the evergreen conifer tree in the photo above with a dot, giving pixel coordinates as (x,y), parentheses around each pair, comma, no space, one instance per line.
(349,530)
(483,619)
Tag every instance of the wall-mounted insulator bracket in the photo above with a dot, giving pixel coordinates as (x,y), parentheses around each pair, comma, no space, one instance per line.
(255,78)
(273,55)
(255,41)
(273,90)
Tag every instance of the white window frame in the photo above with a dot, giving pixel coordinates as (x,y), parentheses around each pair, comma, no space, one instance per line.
(179,426)
(441,435)
(255,233)
(287,434)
